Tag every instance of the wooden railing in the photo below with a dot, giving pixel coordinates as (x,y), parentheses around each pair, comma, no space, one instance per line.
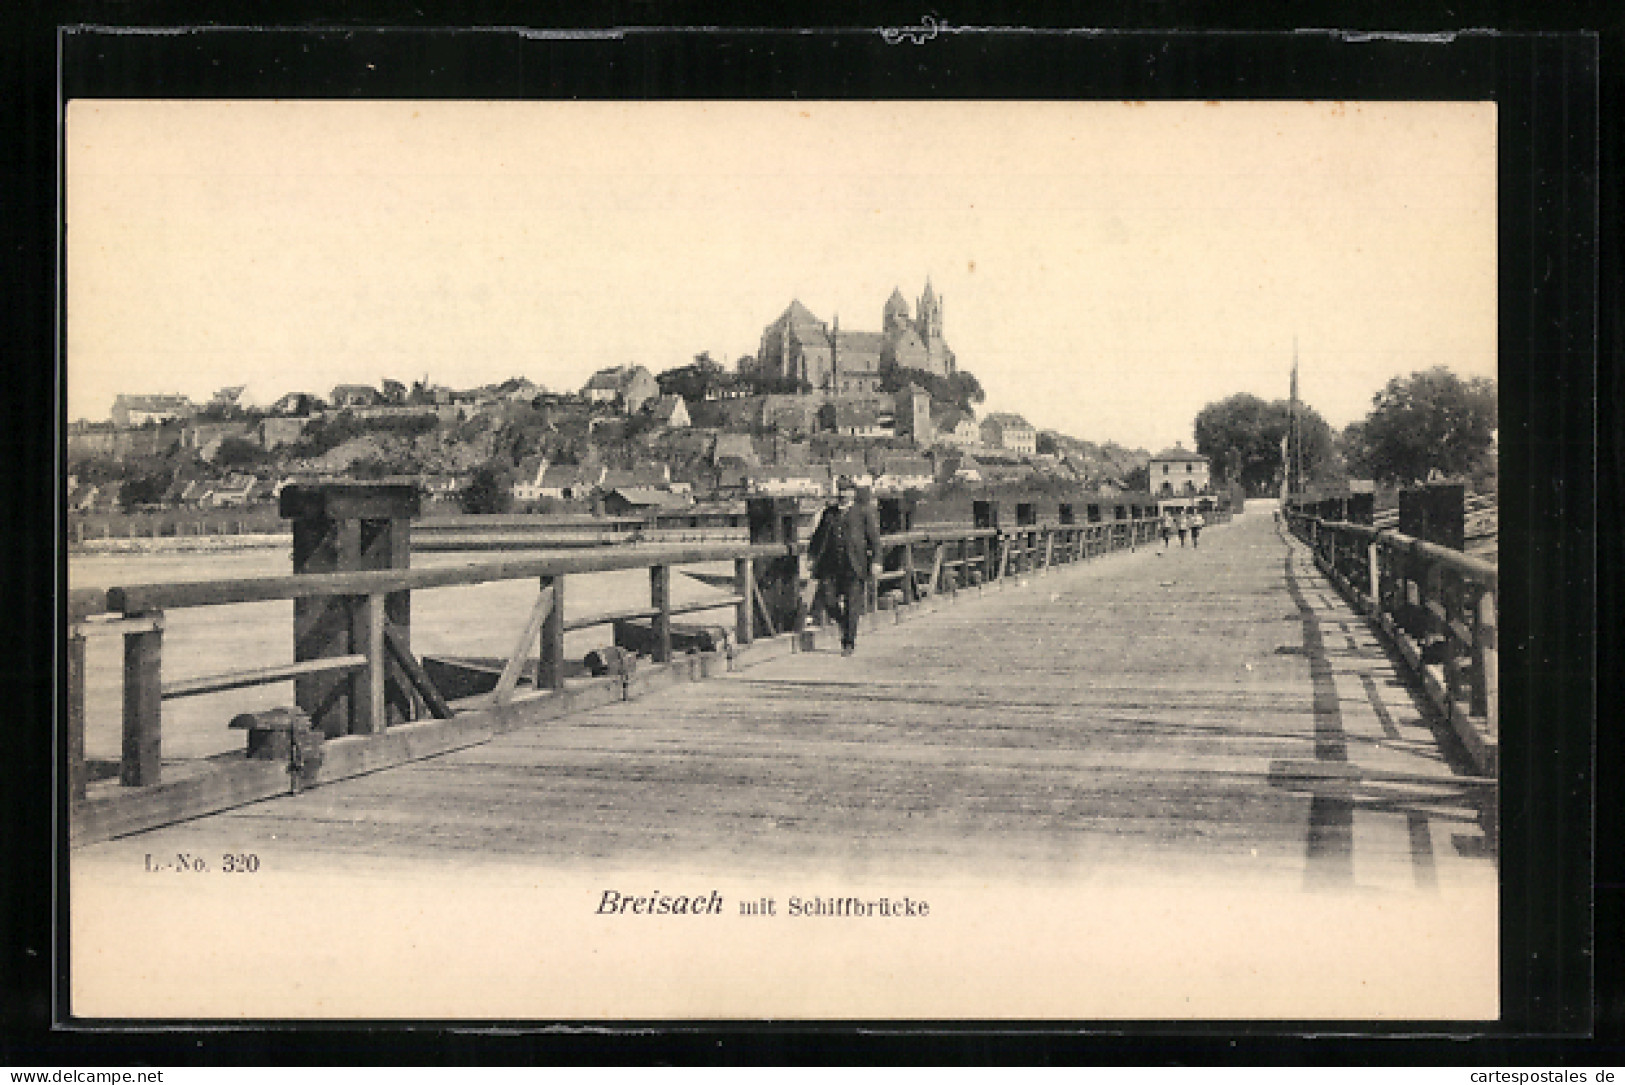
(1438,605)
(919,564)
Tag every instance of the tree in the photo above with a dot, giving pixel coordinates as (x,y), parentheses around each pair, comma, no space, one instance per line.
(1241,437)
(146,489)
(694,381)
(237,452)
(487,491)
(1426,422)
(1046,445)
(958,391)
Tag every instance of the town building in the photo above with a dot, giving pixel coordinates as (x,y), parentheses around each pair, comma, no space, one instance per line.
(956,429)
(129,411)
(1009,431)
(630,386)
(354,395)
(1178,472)
(911,415)
(670,412)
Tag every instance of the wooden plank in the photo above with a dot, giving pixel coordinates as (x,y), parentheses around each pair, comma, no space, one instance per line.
(106,625)
(516,658)
(259,676)
(607,617)
(135,598)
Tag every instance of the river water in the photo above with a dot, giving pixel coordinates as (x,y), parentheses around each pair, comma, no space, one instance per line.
(468,620)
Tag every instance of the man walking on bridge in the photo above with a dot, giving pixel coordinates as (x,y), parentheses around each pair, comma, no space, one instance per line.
(845,552)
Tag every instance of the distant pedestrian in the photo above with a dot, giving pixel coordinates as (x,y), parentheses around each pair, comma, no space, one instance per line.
(1198,522)
(1184,525)
(1167,529)
(845,553)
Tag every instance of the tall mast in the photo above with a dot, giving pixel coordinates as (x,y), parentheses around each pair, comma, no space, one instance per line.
(1297,449)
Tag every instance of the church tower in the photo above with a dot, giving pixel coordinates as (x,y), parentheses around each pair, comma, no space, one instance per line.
(930,319)
(895,316)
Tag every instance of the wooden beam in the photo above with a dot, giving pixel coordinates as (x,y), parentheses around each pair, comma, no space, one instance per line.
(419,677)
(369,712)
(550,656)
(516,659)
(142,763)
(660,600)
(76,717)
(761,608)
(744,587)
(259,676)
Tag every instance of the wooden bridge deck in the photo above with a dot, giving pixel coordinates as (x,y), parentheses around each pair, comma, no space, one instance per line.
(1212,716)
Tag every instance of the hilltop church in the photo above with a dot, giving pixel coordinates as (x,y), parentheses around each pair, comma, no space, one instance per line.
(799,346)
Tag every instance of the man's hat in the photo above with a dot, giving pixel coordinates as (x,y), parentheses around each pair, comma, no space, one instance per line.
(846,484)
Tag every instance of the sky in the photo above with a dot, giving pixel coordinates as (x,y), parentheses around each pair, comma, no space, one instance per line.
(1106,268)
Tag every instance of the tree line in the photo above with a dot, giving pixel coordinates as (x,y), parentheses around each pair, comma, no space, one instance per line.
(1428,423)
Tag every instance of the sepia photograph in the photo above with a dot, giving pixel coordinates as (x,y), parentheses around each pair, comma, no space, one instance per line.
(792,560)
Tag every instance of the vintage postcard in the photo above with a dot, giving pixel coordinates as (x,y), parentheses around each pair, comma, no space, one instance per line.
(782,560)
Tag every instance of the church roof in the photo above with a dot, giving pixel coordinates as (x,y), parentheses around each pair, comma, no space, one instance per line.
(797,315)
(897,303)
(867,342)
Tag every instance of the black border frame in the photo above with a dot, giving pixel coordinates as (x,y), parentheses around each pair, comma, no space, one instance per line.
(1550,247)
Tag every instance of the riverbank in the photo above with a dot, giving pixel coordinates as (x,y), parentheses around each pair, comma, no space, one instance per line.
(182,544)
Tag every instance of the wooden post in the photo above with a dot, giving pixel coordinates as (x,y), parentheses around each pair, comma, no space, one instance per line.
(936,570)
(1373,578)
(744,585)
(76,716)
(911,588)
(660,600)
(550,656)
(142,762)
(369,713)
(1486,684)
(1049,547)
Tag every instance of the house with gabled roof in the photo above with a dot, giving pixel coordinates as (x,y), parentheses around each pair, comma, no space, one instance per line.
(637,500)
(811,480)
(898,473)
(1177,471)
(860,419)
(629,385)
(233,490)
(644,476)
(1009,431)
(354,395)
(956,428)
(561,482)
(518,390)
(669,411)
(736,449)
